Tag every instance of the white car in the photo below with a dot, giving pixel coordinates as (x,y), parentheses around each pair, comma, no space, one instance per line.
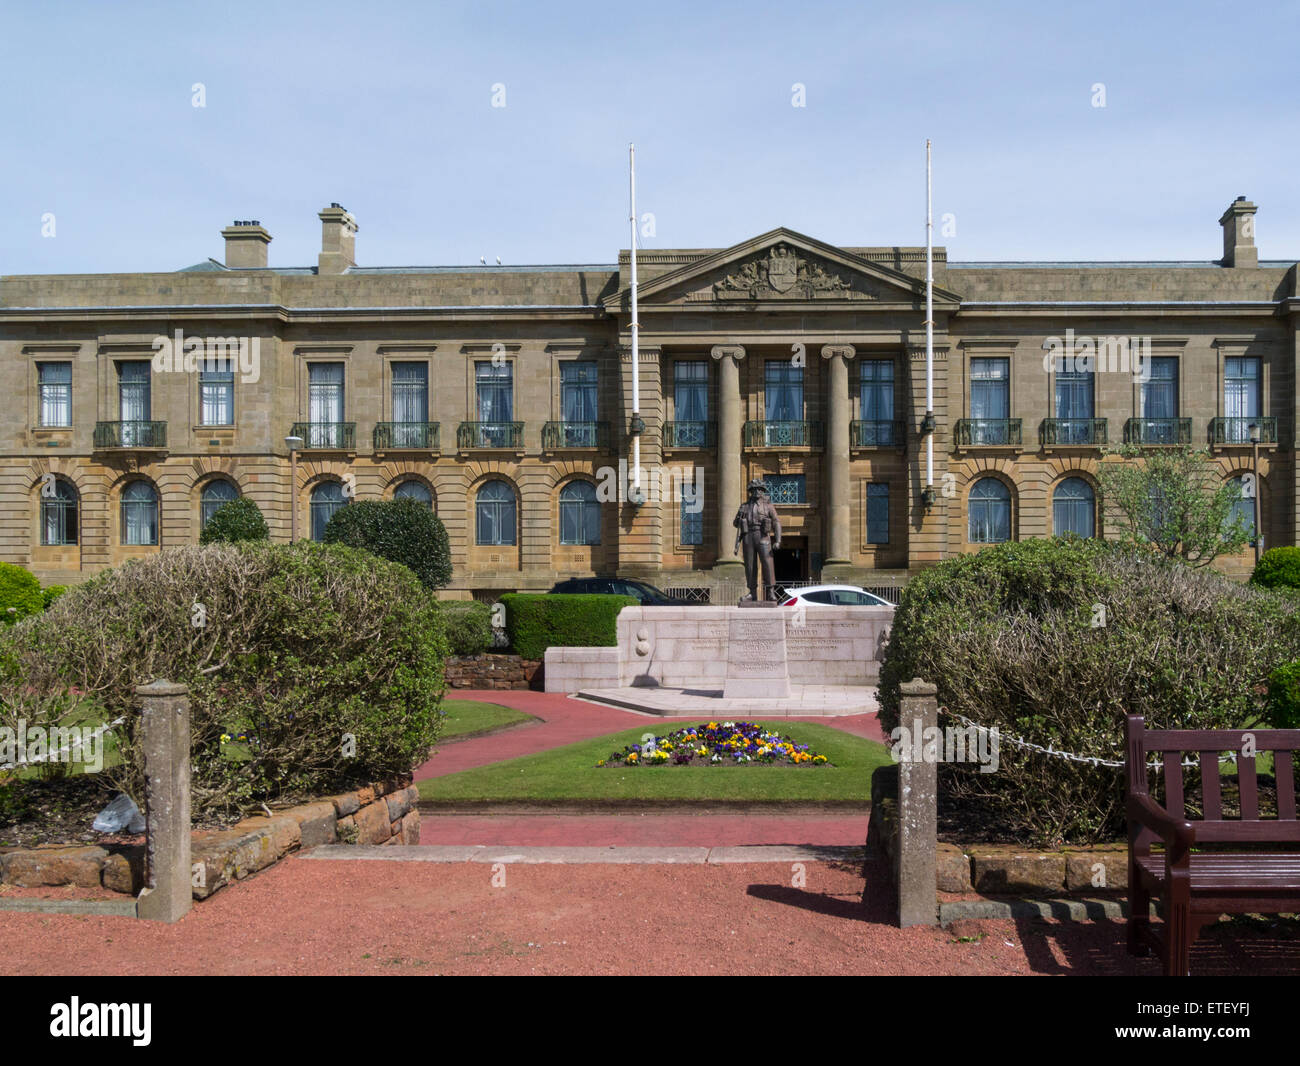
(834,596)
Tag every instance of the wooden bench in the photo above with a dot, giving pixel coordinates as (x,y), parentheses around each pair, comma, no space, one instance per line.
(1197,887)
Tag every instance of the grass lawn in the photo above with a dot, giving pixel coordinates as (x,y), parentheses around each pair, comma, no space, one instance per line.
(570,774)
(466,717)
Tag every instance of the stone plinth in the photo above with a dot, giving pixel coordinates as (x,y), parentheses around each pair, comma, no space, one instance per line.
(756,656)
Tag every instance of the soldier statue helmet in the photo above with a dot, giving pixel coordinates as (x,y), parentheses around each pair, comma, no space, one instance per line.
(758,532)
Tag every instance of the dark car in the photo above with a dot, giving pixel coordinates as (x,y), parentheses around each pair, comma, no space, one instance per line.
(620,586)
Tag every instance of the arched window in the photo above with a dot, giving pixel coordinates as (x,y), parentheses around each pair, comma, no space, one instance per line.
(139,514)
(215,495)
(989,512)
(59,514)
(1074,508)
(1243,505)
(326,498)
(414,490)
(495,514)
(579,514)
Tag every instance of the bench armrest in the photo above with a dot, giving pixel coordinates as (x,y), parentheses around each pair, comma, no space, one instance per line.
(1178,834)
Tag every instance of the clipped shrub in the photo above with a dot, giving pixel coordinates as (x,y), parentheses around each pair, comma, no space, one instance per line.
(1278,568)
(51,593)
(20,594)
(299,647)
(469,626)
(1284,697)
(235,521)
(535,622)
(1055,642)
(402,530)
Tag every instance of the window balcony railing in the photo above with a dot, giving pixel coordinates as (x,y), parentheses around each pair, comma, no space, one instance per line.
(414,436)
(783,435)
(560,435)
(130,435)
(869,433)
(326,436)
(1237,430)
(690,434)
(1158,431)
(490,435)
(987,432)
(1074,432)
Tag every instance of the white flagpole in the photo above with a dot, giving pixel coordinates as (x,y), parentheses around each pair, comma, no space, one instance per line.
(929,322)
(636,362)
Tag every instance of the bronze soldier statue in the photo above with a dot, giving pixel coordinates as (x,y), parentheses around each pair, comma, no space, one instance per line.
(758,529)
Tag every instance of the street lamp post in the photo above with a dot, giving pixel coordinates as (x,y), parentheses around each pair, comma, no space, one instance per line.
(294,443)
(1254,443)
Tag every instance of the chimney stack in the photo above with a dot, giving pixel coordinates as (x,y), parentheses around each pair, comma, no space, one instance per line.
(246,243)
(1238,224)
(338,241)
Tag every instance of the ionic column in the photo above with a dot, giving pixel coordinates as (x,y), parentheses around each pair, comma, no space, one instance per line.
(731,475)
(838,526)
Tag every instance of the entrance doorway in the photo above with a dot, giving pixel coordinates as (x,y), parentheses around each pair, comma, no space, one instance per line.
(791,560)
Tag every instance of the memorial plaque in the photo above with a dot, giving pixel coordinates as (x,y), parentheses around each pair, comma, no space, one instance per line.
(756,656)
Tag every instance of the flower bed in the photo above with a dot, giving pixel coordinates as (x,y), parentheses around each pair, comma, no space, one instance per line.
(716,744)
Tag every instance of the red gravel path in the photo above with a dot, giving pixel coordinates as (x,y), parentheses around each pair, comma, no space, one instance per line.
(648,830)
(314,917)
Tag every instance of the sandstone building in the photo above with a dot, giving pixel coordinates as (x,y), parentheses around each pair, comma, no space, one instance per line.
(501,396)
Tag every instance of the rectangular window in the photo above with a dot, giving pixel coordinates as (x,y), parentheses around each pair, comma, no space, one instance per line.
(876,390)
(494,397)
(691,390)
(990,388)
(410,405)
(1160,393)
(55,393)
(692,517)
(134,404)
(1074,406)
(325,405)
(990,401)
(578,403)
(217,393)
(783,391)
(877,513)
(786,488)
(1241,398)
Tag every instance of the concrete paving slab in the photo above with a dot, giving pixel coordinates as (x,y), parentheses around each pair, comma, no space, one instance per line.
(829,701)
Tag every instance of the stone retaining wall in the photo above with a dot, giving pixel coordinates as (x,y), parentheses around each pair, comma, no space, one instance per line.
(383,812)
(493,672)
(1010,869)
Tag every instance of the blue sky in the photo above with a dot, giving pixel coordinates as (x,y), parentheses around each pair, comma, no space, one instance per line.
(387,109)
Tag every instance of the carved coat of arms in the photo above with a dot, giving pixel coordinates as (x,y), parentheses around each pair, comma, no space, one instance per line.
(783,273)
(782,268)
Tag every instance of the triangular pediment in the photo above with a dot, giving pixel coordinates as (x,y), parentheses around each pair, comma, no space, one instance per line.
(780,267)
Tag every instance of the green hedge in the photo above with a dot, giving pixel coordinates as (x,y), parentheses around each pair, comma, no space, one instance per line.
(329,659)
(401,530)
(535,622)
(1055,642)
(20,594)
(469,626)
(1284,697)
(235,521)
(1278,568)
